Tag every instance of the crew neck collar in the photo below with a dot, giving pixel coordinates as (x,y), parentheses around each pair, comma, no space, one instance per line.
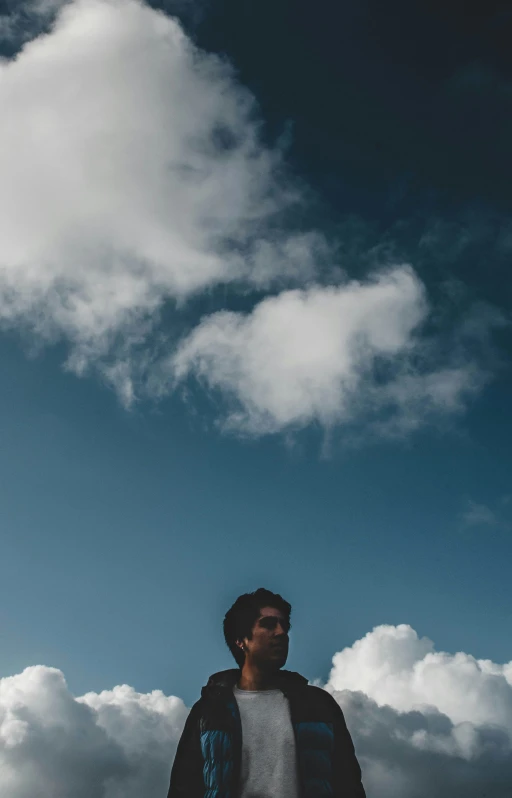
(222,681)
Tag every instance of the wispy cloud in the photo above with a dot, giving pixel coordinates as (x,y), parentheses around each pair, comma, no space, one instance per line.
(21,20)
(481,515)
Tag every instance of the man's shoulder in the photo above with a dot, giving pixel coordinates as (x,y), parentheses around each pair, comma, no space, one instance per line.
(319,693)
(318,697)
(196,709)
(198,705)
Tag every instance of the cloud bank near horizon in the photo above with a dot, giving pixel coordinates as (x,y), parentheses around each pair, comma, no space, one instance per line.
(134,178)
(423,722)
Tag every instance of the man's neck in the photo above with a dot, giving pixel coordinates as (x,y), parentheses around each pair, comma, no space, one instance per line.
(254,679)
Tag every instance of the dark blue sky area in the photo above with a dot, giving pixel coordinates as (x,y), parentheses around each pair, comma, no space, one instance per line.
(395,106)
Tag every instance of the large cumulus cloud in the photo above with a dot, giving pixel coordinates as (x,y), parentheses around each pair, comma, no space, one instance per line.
(117,744)
(423,722)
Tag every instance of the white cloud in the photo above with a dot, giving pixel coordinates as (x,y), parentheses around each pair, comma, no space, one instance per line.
(118,744)
(130,172)
(132,175)
(311,355)
(423,723)
(394,667)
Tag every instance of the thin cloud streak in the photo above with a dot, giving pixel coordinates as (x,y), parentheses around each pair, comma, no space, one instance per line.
(478,515)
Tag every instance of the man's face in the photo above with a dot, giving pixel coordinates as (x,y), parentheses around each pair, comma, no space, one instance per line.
(269,644)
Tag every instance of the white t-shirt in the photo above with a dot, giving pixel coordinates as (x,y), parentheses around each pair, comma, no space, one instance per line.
(269,760)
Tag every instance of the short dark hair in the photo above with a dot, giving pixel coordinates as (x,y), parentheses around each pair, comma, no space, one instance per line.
(242,616)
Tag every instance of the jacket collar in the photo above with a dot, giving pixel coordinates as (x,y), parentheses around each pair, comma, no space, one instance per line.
(222,681)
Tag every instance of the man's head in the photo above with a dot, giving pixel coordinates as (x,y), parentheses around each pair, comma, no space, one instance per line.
(257,627)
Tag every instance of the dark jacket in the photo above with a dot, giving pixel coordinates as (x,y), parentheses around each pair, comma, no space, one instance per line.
(208,758)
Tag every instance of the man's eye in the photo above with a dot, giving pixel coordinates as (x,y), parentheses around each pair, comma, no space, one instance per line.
(271,623)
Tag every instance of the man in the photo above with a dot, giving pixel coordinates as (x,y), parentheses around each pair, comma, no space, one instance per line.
(261,732)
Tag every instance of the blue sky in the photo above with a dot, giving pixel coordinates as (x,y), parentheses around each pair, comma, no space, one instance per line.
(289,370)
(127,534)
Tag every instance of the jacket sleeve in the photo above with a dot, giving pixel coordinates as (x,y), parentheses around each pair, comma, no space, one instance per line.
(187,769)
(347,771)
